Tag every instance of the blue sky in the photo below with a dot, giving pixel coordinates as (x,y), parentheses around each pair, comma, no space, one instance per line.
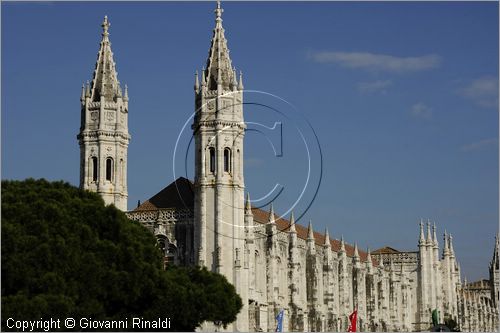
(403,98)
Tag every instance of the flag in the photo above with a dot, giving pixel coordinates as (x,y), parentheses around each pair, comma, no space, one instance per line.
(279,318)
(352,319)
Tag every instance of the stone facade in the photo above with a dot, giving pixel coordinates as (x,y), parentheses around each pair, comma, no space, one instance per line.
(274,263)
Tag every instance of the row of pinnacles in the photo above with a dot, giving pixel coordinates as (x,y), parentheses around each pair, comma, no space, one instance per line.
(327,279)
(274,263)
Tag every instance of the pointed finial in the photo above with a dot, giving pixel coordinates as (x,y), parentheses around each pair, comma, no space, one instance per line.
(368,256)
(327,238)
(434,238)
(429,235)
(292,223)
(450,238)
(82,96)
(235,79)
(356,252)
(105,26)
(271,214)
(87,89)
(421,238)
(218,11)
(310,233)
(203,79)
(125,95)
(196,82)
(446,249)
(342,245)
(248,205)
(240,83)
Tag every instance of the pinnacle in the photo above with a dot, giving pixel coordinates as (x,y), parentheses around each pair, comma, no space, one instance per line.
(248,206)
(292,223)
(327,238)
(310,233)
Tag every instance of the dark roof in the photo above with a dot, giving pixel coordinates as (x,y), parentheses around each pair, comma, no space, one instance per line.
(386,250)
(179,195)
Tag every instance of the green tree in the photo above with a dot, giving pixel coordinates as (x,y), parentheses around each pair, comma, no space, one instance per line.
(65,254)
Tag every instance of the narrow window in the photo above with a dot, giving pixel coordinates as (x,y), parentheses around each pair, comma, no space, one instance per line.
(212,159)
(94,169)
(122,172)
(109,168)
(227,160)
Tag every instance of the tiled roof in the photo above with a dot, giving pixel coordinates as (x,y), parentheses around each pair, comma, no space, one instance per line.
(386,250)
(261,216)
(180,195)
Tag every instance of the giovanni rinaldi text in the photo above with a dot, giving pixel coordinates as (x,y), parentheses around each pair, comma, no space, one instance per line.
(85,323)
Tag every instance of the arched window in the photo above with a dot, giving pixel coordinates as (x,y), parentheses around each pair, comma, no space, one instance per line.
(109,168)
(94,169)
(227,160)
(212,159)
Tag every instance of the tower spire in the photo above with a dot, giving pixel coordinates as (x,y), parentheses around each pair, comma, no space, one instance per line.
(219,71)
(104,136)
(105,81)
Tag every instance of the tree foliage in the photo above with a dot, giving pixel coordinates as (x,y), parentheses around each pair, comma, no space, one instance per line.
(66,254)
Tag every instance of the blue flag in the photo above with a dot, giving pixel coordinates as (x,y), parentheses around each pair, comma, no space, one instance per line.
(279,318)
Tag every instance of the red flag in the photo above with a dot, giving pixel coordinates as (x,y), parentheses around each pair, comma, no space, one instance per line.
(353,318)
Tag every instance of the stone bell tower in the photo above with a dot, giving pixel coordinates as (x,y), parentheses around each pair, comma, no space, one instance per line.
(218,130)
(103,136)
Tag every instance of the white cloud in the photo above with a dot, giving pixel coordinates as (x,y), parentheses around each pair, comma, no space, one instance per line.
(420,110)
(374,86)
(478,145)
(483,91)
(378,62)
